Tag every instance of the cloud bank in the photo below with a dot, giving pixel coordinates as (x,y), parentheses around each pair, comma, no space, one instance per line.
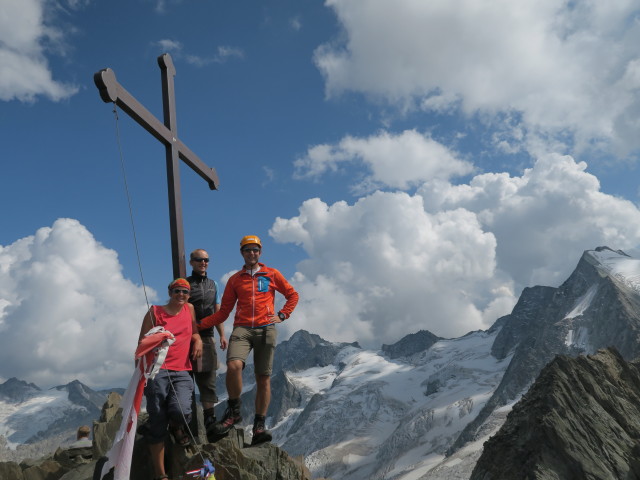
(66,311)
(546,66)
(449,258)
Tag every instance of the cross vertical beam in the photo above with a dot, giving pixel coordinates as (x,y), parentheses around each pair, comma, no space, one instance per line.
(167,133)
(173,168)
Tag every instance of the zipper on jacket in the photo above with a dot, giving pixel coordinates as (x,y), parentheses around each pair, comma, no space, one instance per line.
(253,300)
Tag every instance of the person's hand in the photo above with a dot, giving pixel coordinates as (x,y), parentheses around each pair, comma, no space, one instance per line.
(196,350)
(275,319)
(223,342)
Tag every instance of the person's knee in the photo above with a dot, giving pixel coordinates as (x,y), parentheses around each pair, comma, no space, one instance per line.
(263,380)
(234,367)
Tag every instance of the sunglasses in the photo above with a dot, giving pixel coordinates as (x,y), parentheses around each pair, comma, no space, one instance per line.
(199,259)
(176,291)
(254,250)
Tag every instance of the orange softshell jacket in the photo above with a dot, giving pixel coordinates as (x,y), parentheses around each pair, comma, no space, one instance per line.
(255,296)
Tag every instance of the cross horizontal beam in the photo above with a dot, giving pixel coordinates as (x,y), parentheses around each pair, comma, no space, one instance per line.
(112,92)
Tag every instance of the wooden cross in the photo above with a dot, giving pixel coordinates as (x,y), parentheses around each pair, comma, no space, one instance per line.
(167,133)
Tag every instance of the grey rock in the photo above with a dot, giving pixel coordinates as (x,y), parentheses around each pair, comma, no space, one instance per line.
(105,429)
(411,344)
(579,420)
(11,470)
(47,470)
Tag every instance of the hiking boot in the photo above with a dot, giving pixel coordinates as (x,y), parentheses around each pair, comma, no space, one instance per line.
(260,433)
(209,422)
(209,419)
(231,417)
(209,427)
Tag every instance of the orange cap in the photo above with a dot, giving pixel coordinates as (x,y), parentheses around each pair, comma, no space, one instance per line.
(246,240)
(179,282)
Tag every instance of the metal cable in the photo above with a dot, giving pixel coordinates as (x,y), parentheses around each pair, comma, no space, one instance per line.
(126,188)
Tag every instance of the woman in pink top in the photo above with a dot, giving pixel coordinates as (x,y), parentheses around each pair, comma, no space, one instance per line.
(169,393)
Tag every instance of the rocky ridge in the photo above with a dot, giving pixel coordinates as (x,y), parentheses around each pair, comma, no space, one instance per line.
(579,420)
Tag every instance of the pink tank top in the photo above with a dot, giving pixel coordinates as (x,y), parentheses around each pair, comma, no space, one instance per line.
(180,325)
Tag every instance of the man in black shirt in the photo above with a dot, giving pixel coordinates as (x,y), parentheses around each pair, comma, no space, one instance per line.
(205,298)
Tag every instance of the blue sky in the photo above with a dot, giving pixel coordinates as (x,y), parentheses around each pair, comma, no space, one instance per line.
(408,165)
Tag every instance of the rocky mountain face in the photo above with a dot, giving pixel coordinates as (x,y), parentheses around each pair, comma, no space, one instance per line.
(15,391)
(413,343)
(579,420)
(596,307)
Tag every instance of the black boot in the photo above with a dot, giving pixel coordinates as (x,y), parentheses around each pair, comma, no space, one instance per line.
(260,433)
(231,417)
(209,418)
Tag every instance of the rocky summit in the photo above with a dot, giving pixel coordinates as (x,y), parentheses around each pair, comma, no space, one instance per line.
(580,420)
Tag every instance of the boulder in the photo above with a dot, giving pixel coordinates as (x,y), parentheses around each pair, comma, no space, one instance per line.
(11,470)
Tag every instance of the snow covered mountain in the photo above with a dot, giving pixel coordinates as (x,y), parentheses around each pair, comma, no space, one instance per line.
(422,408)
(415,410)
(369,416)
(29,414)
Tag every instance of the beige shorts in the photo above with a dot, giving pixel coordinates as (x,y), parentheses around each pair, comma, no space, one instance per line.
(261,340)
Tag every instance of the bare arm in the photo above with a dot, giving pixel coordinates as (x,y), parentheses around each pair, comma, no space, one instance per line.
(220,329)
(147,324)
(196,341)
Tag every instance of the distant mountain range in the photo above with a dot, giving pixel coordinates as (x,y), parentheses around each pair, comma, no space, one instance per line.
(415,410)
(29,414)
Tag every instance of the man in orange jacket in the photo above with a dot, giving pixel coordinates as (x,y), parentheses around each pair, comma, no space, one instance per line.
(253,290)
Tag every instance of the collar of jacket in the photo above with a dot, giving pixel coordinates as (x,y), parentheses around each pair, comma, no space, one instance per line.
(197,276)
(261,270)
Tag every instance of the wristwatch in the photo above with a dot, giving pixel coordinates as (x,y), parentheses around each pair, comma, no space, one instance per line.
(282,316)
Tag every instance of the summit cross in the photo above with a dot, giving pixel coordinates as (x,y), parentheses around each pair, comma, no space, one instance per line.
(112,92)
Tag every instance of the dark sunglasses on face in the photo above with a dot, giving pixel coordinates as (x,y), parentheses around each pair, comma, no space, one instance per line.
(176,291)
(254,250)
(200,259)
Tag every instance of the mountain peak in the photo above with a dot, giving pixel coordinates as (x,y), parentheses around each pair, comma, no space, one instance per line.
(411,344)
(17,390)
(605,248)
(305,350)
(80,394)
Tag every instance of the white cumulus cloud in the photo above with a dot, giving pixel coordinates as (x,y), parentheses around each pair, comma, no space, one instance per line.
(66,311)
(24,69)
(449,258)
(543,219)
(554,66)
(384,267)
(395,160)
